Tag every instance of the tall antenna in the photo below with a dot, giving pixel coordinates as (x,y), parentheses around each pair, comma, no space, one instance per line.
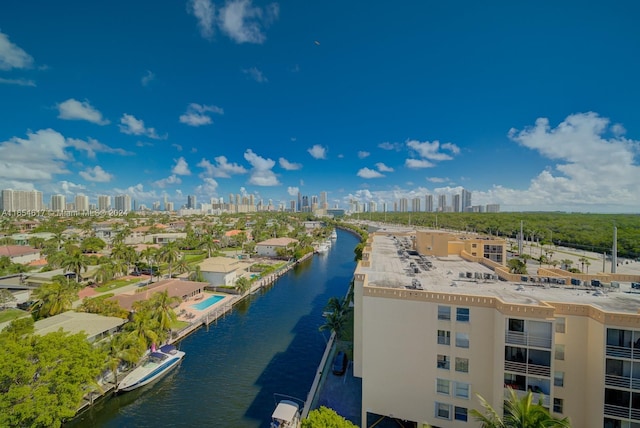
(520,237)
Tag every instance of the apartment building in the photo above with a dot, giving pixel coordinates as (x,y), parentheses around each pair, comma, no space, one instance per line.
(435,328)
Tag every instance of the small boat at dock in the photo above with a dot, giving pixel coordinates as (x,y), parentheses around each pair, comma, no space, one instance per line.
(286,415)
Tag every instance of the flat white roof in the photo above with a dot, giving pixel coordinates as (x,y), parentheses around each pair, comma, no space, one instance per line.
(285,411)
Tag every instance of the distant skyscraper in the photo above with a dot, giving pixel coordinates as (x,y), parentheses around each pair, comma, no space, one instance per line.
(373,207)
(428,203)
(58,203)
(442,202)
(403,205)
(122,203)
(292,205)
(82,202)
(299,208)
(493,208)
(191,202)
(13,200)
(466,200)
(323,201)
(169,206)
(104,202)
(456,203)
(415,205)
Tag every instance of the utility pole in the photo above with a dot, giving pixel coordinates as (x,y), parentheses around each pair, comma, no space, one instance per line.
(520,238)
(614,250)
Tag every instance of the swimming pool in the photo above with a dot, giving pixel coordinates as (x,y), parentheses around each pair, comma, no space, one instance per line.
(206,303)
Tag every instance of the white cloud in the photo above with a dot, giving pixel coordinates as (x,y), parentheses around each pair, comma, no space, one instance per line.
(363,154)
(431,150)
(293,191)
(148,77)
(181,167)
(68,188)
(12,56)
(36,158)
(92,146)
(369,173)
(390,146)
(383,168)
(96,174)
(72,109)
(418,163)
(19,82)
(255,74)
(208,188)
(138,193)
(144,144)
(177,146)
(593,169)
(132,126)
(318,152)
(245,23)
(261,173)
(172,179)
(204,11)
(437,179)
(196,114)
(221,169)
(289,166)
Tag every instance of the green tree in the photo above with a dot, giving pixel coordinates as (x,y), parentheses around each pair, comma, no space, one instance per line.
(243,284)
(6,297)
(92,244)
(517,266)
(325,417)
(196,275)
(75,262)
(162,305)
(53,299)
(43,378)
(121,349)
(334,321)
(104,273)
(208,243)
(169,254)
(518,413)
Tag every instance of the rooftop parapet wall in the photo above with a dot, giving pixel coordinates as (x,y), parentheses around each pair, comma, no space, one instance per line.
(600,276)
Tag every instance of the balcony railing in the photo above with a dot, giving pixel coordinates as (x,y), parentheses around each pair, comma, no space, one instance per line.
(512,366)
(546,400)
(618,351)
(519,338)
(620,412)
(537,370)
(618,381)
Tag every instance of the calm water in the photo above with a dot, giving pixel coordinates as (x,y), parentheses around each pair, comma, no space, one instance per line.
(269,344)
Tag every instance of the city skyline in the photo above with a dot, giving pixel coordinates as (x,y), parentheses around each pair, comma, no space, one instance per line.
(527,108)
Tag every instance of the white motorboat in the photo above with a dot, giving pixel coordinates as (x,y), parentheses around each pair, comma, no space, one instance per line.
(154,366)
(334,234)
(286,415)
(323,248)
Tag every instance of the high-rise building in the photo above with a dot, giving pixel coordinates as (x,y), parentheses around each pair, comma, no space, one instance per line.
(82,202)
(442,202)
(14,200)
(415,205)
(299,207)
(122,203)
(292,205)
(428,203)
(455,203)
(104,202)
(574,351)
(58,203)
(324,203)
(465,200)
(373,207)
(191,202)
(403,205)
(493,208)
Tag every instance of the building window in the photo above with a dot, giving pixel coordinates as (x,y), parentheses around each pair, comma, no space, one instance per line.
(560,325)
(462,314)
(442,386)
(444,337)
(443,361)
(559,352)
(516,325)
(462,365)
(444,313)
(558,379)
(557,405)
(461,390)
(443,411)
(462,340)
(461,413)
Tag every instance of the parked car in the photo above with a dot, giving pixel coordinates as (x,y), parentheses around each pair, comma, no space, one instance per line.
(340,364)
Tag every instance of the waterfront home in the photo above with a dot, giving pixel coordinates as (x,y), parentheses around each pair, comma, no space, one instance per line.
(269,248)
(184,289)
(223,270)
(95,326)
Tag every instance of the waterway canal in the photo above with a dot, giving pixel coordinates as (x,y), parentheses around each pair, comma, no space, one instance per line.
(269,344)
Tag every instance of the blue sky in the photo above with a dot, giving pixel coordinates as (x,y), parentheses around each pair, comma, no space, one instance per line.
(532,105)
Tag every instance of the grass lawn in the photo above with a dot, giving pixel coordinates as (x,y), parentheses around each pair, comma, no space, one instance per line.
(179,325)
(11,314)
(347,333)
(116,283)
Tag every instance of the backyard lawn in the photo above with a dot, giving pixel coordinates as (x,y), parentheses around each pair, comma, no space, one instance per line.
(117,283)
(11,314)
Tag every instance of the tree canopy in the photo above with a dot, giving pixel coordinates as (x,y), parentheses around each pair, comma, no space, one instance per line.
(325,417)
(43,378)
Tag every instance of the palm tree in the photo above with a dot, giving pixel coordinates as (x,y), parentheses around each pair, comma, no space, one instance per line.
(104,273)
(334,304)
(196,275)
(144,328)
(583,260)
(243,284)
(76,262)
(121,348)
(169,254)
(518,413)
(208,243)
(182,265)
(162,309)
(334,322)
(53,299)
(566,263)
